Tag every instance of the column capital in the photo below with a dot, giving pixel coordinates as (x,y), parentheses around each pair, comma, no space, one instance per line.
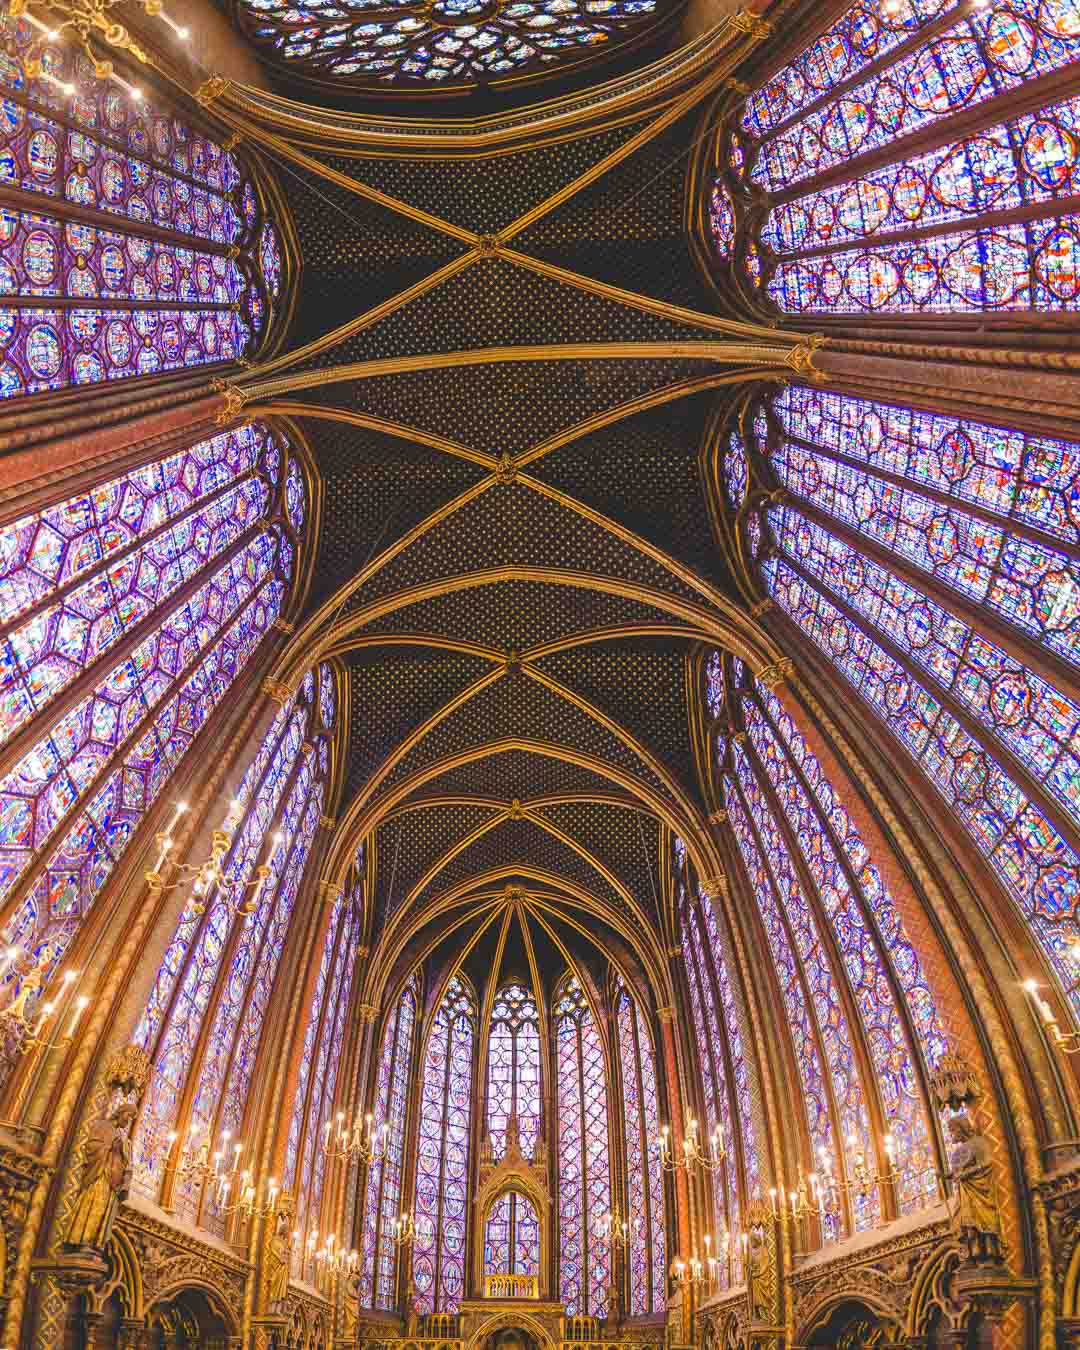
(776,674)
(367,1012)
(275,689)
(330,891)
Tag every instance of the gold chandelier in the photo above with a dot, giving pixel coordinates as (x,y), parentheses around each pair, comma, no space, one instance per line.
(85,21)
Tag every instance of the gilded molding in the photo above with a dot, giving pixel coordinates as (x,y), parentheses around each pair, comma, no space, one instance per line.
(277,690)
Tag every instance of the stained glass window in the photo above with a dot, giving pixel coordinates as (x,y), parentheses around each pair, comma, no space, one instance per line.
(735,470)
(975,508)
(324,1036)
(870,968)
(802,1003)
(449,45)
(513,1072)
(718,1112)
(442,1154)
(910,234)
(150,251)
(512,1236)
(722,220)
(644,1174)
(382,1203)
(584,1179)
(204,1019)
(130,608)
(714,684)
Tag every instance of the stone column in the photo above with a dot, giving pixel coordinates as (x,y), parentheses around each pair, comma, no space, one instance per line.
(134,1334)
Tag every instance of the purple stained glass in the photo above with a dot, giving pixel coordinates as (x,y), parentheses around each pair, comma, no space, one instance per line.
(512,1236)
(861,35)
(1011,474)
(442,1155)
(327,698)
(987,51)
(1036,721)
(735,470)
(718,1114)
(1034,863)
(865,964)
(295,494)
(272,820)
(645,1177)
(382,1201)
(321,1055)
(722,220)
(714,684)
(1035,265)
(514,1069)
(584,1180)
(144,168)
(78,577)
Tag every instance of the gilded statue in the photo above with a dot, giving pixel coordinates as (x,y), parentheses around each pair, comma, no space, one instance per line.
(974,1205)
(279,1260)
(31,982)
(105,1179)
(757,1275)
(352,1304)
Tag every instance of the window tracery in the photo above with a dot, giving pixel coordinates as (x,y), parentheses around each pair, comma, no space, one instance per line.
(134,606)
(645,1178)
(451,45)
(512,1236)
(879,200)
(443,1150)
(131,243)
(324,1037)
(974,508)
(513,1071)
(584,1177)
(204,1019)
(382,1202)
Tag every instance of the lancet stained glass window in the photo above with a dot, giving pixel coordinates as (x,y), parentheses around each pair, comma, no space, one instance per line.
(584,1177)
(644,1174)
(721,1112)
(324,1035)
(995,737)
(204,1019)
(862,960)
(382,1202)
(879,240)
(512,1236)
(150,249)
(130,609)
(442,1154)
(513,1070)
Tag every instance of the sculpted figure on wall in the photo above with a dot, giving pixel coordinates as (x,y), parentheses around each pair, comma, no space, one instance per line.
(105,1179)
(974,1206)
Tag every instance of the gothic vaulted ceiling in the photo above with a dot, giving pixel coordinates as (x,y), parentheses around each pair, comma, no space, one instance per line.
(507,375)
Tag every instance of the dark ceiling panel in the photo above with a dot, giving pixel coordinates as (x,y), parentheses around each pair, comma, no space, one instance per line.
(375,489)
(640,683)
(412,843)
(521,774)
(395,690)
(518,614)
(514,525)
(509,406)
(484,193)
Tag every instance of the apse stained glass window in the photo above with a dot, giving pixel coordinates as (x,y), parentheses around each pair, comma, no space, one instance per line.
(324,1038)
(203,1022)
(513,1070)
(148,249)
(382,1202)
(130,608)
(910,235)
(512,1236)
(450,45)
(584,1179)
(975,507)
(644,1175)
(442,1153)
(722,220)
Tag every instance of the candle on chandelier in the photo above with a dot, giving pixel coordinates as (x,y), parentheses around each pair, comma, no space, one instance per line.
(80,1007)
(1045,1011)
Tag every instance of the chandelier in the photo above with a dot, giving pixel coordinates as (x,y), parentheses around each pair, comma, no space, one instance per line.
(83,20)
(691,1155)
(208,873)
(615,1231)
(363,1141)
